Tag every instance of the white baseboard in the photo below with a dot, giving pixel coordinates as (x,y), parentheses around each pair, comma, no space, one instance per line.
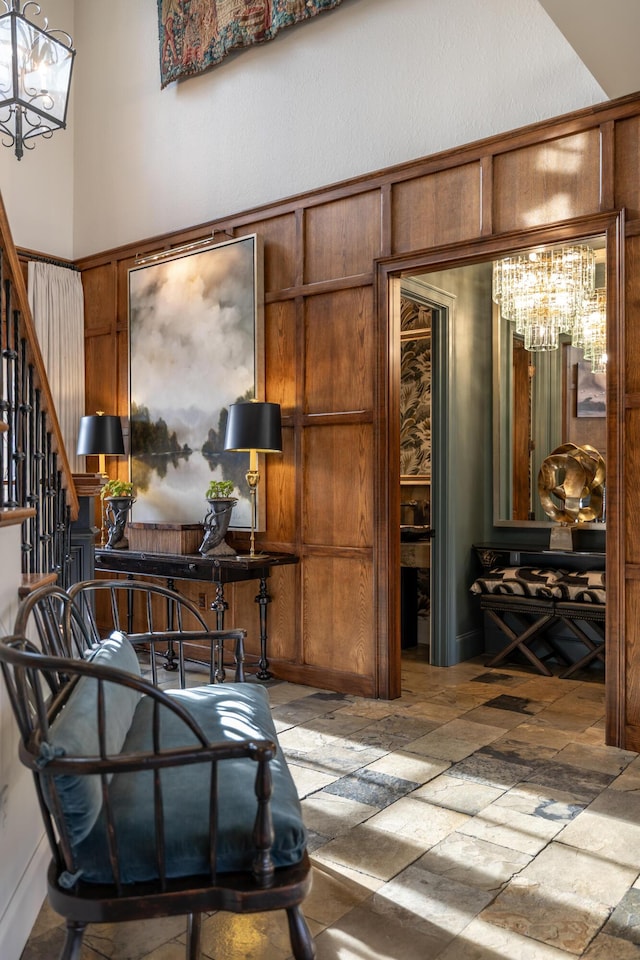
(24,906)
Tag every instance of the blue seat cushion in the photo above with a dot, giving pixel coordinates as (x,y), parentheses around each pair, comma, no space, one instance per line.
(227,712)
(74,733)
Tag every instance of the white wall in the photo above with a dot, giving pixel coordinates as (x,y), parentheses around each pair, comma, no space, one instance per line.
(367,85)
(23,854)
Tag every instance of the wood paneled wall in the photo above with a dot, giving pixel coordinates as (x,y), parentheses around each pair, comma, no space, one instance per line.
(332,365)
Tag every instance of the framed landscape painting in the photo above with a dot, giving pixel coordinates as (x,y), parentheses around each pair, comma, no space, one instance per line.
(196,346)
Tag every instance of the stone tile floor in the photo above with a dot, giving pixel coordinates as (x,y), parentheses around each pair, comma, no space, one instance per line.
(478,817)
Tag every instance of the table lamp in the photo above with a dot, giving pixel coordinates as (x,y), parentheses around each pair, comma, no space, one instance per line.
(100,434)
(254,427)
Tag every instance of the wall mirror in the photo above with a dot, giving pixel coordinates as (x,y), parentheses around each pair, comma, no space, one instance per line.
(548,373)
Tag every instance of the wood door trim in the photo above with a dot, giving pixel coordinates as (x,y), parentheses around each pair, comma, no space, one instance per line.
(388,271)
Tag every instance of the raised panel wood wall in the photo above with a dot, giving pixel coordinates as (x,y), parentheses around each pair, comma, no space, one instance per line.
(331,496)
(418,206)
(547,182)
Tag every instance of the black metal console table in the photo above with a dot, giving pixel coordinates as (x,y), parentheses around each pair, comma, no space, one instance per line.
(218,570)
(493,554)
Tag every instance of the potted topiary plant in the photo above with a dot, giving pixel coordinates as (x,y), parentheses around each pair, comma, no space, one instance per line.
(118,497)
(117,488)
(220,490)
(216,522)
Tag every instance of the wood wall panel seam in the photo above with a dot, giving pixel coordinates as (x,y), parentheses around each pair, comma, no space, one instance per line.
(319,287)
(336,417)
(607,165)
(386,220)
(104,331)
(615,659)
(486,196)
(300,251)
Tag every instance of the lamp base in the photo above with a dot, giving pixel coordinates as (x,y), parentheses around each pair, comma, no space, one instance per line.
(259,555)
(562,538)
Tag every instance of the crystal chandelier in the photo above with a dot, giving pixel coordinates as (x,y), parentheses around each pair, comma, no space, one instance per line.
(35,75)
(591,334)
(543,292)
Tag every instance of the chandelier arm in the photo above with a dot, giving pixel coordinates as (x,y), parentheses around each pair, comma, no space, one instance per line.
(63,33)
(32,3)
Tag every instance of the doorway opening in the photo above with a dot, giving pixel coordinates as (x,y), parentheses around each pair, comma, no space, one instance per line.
(457,285)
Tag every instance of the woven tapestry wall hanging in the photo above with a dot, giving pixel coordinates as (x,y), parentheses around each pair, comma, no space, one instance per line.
(197,34)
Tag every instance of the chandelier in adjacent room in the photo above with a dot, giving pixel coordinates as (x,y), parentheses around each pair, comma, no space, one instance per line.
(591,335)
(551,292)
(35,76)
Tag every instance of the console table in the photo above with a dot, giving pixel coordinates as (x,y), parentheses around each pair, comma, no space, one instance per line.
(494,554)
(218,570)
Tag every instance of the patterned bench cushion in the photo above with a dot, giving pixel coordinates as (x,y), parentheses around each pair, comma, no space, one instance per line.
(581,586)
(519,581)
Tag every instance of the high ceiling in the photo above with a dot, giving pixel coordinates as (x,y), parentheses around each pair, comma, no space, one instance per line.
(605,37)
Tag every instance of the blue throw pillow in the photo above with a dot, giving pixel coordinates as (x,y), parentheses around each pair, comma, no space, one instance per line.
(74,733)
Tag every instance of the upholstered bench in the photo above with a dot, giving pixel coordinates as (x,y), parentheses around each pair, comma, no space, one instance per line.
(157,802)
(525,602)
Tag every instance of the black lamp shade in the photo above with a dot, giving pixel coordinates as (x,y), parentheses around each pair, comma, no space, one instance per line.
(254,426)
(100,433)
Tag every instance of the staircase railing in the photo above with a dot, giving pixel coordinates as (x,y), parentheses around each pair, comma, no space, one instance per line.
(37,487)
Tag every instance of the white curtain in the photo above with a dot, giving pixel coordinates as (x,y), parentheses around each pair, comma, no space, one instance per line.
(57,305)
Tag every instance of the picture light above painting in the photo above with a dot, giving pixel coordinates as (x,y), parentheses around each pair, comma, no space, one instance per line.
(196,346)
(198,35)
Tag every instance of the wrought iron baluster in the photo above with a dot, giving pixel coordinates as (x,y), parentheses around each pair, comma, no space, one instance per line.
(22,411)
(15,409)
(2,320)
(42,564)
(66,542)
(9,356)
(62,539)
(30,536)
(57,546)
(49,523)
(38,458)
(3,406)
